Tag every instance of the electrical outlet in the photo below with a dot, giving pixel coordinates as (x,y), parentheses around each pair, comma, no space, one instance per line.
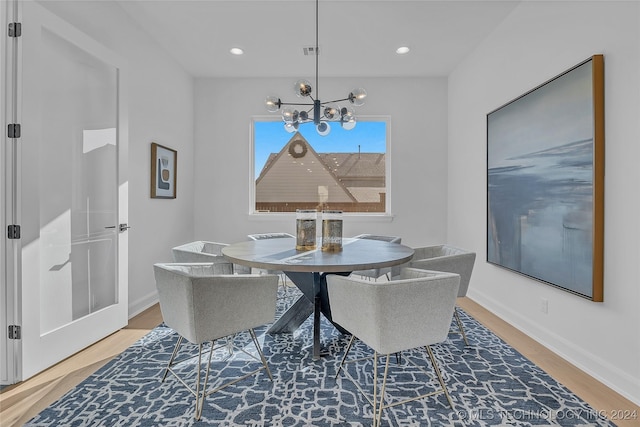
(544,305)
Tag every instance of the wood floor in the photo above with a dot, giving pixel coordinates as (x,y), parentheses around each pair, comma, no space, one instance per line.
(20,402)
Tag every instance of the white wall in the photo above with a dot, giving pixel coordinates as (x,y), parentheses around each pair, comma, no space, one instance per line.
(160,106)
(536,42)
(418,113)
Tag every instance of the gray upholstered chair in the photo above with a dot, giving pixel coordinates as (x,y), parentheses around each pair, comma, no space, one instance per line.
(376,273)
(203,306)
(390,317)
(203,251)
(450,259)
(263,236)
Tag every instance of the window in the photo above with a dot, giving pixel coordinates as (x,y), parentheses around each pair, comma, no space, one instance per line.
(346,170)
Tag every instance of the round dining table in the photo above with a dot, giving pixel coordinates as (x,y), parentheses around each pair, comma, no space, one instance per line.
(308,270)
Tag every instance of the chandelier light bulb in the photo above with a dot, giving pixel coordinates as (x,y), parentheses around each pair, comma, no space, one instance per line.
(302,88)
(289,115)
(348,125)
(272,103)
(347,114)
(323,128)
(357,96)
(303,116)
(291,127)
(331,113)
(348,118)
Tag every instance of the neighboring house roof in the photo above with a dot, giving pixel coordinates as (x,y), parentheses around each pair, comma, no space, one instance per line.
(298,170)
(352,165)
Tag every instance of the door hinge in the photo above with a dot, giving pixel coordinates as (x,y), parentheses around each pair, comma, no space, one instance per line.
(13,231)
(13,130)
(15,29)
(15,332)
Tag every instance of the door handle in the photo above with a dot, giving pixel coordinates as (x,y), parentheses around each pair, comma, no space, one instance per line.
(121,227)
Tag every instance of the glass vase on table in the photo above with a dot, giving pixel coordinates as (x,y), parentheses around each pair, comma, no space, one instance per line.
(331,231)
(306,229)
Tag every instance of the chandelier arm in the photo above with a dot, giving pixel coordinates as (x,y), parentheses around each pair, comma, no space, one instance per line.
(295,103)
(336,100)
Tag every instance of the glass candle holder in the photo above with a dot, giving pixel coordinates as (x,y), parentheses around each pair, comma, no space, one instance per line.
(306,229)
(332,231)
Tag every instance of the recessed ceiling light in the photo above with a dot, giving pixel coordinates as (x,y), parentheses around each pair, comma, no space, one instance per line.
(402,50)
(236,51)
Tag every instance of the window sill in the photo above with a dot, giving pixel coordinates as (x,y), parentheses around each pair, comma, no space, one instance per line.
(347,217)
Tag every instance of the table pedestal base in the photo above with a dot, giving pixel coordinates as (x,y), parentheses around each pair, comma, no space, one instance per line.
(293,317)
(315,300)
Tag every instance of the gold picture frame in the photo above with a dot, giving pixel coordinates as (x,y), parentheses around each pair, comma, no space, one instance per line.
(164,166)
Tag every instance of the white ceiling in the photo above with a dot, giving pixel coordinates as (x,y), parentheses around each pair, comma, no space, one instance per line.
(357,38)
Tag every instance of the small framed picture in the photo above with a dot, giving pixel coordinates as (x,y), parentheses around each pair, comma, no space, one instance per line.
(164,162)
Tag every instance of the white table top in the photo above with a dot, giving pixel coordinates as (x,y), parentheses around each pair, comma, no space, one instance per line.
(281,254)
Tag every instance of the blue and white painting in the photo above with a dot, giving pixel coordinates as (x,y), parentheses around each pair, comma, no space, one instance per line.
(540,157)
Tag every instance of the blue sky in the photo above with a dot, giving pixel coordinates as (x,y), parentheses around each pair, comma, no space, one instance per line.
(270,137)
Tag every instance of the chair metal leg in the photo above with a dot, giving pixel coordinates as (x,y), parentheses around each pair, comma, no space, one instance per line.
(459,322)
(262,358)
(378,393)
(196,413)
(200,391)
(173,356)
(375,387)
(437,369)
(345,356)
(377,418)
(201,396)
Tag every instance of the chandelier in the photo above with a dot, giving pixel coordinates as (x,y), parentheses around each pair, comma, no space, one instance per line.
(316,111)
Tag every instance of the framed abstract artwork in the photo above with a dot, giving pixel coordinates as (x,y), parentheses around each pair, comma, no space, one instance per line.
(164,162)
(545,182)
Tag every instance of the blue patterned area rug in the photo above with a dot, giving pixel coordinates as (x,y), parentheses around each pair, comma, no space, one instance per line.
(490,384)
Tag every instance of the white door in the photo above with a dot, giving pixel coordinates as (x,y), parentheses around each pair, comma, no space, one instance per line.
(71,191)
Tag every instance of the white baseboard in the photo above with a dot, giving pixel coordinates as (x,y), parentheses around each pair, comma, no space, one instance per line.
(601,370)
(141,304)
